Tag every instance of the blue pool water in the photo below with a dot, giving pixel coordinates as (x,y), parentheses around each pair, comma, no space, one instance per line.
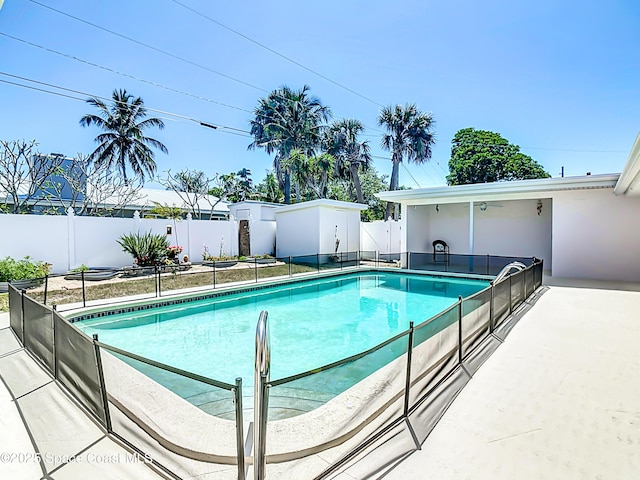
(311,323)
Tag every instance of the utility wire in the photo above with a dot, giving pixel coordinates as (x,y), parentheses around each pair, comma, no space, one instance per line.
(161,51)
(262,45)
(146,45)
(77,92)
(92,64)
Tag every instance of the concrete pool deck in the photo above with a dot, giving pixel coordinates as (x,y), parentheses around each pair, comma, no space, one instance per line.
(560,398)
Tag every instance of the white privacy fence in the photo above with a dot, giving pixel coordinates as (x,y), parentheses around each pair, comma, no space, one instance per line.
(381,236)
(68,241)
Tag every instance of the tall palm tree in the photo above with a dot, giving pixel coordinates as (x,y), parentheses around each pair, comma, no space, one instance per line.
(409,135)
(287,120)
(123,143)
(350,153)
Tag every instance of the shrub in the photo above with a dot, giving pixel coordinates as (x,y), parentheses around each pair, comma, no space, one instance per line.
(147,249)
(25,269)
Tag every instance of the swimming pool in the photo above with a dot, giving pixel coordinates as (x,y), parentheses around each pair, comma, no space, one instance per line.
(312,323)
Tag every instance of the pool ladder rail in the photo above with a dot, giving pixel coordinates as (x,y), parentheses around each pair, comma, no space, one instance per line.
(507,270)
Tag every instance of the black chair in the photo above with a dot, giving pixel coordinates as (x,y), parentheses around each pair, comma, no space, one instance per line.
(440,247)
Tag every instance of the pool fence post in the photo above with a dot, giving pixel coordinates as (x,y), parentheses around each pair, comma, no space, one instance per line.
(377,258)
(487,269)
(491,310)
(407,385)
(408,260)
(214,274)
(318,261)
(237,400)
(510,304)
(460,329)
(102,385)
(341,259)
(159,292)
(54,312)
(84,294)
(290,260)
(255,268)
(46,287)
(22,295)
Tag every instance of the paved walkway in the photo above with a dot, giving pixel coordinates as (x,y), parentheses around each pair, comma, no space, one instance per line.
(559,399)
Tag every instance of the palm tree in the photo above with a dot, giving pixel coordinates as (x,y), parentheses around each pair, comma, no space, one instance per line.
(287,120)
(123,142)
(350,153)
(409,134)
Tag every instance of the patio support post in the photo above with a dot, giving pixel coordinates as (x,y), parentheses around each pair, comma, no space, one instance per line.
(407,384)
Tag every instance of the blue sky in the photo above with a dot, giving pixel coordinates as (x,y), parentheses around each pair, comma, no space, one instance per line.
(560,79)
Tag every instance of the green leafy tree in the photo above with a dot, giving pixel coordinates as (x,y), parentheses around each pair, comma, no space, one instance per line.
(409,136)
(288,120)
(123,144)
(481,156)
(268,189)
(372,182)
(351,154)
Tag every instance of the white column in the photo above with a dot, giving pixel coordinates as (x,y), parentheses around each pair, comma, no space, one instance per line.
(471,227)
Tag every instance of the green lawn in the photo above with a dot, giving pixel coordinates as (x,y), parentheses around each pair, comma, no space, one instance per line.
(147,285)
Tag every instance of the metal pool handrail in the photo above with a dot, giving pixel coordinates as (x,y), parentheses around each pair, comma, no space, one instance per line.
(505,271)
(260,396)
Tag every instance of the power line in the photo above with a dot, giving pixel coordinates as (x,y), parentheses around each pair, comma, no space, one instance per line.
(289,59)
(412,177)
(146,45)
(92,64)
(77,92)
(161,51)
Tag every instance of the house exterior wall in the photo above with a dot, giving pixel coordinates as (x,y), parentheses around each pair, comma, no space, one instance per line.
(418,228)
(451,225)
(595,235)
(514,229)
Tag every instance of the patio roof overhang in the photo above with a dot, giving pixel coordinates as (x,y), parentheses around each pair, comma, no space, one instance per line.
(488,192)
(629,183)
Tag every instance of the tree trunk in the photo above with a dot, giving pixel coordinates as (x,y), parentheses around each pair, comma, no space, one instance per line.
(353,166)
(393,185)
(287,188)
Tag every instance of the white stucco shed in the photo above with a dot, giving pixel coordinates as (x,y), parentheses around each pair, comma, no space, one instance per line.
(320,226)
